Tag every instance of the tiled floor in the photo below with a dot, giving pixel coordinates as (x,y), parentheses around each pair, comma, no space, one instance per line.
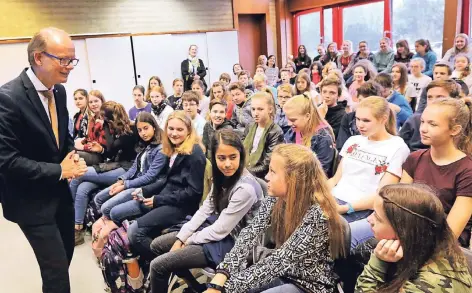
(19,271)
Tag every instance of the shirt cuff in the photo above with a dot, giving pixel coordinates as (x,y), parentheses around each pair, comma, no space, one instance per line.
(60,175)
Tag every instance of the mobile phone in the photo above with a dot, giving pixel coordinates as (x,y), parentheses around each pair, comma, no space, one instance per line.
(140,195)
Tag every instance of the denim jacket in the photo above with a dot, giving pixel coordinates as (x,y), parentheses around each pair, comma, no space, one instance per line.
(153,164)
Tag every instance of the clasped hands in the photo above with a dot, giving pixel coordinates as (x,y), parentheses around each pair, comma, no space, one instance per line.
(73,166)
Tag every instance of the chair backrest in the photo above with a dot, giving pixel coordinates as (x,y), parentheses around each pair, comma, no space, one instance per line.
(347,236)
(468,257)
(335,163)
(263,185)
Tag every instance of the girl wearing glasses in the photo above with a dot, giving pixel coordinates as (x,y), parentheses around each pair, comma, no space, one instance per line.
(417,251)
(446,166)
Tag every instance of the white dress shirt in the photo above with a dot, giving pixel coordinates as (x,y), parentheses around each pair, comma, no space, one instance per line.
(39,86)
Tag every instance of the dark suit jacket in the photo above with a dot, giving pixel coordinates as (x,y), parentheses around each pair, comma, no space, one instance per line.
(180,186)
(188,76)
(29,156)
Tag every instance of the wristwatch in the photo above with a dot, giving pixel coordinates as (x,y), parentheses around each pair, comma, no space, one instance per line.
(216,287)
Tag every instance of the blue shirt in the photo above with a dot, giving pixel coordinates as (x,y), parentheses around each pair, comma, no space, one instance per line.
(405,109)
(133,112)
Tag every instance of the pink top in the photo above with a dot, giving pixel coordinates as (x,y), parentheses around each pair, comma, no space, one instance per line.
(298,137)
(353,91)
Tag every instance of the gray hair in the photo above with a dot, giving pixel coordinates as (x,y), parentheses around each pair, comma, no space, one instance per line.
(420,60)
(37,44)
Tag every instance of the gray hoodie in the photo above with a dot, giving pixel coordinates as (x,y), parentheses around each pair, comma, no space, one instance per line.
(242,116)
(384,61)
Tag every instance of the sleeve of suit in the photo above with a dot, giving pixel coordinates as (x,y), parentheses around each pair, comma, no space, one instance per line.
(11,158)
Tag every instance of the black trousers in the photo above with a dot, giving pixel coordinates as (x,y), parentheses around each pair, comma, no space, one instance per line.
(152,224)
(53,245)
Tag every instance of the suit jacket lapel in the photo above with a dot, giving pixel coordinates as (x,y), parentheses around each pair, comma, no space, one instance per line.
(33,96)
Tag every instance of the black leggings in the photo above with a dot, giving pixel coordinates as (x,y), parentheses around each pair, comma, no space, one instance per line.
(178,262)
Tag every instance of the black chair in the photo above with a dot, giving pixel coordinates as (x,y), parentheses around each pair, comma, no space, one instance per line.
(335,163)
(341,264)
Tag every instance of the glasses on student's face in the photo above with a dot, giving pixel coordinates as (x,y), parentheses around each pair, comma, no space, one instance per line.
(189,104)
(63,61)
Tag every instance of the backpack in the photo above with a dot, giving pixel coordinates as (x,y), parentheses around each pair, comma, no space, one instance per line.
(115,272)
(92,214)
(98,240)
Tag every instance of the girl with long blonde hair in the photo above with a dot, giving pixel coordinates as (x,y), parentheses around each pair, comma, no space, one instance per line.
(261,136)
(309,129)
(369,161)
(308,231)
(177,191)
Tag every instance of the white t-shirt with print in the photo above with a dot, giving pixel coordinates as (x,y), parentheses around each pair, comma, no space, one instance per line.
(364,164)
(419,83)
(257,139)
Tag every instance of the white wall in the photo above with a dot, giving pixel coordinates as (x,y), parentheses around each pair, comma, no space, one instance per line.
(107,64)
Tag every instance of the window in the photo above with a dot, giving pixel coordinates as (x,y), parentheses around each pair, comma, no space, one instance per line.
(328,26)
(413,20)
(309,32)
(364,23)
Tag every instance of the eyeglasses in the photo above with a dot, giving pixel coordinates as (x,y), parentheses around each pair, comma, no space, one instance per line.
(190,104)
(63,61)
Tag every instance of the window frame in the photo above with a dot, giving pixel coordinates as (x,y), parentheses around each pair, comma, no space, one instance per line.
(466,14)
(296,26)
(337,11)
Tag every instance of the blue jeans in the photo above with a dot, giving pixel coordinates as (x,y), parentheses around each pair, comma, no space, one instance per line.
(127,210)
(105,202)
(82,187)
(360,228)
(278,286)
(356,216)
(361,231)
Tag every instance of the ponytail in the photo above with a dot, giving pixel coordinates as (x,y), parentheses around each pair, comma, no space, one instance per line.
(391,125)
(465,141)
(425,43)
(379,108)
(460,113)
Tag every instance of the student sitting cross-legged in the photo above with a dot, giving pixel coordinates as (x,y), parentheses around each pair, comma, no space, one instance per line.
(417,251)
(229,207)
(119,152)
(113,201)
(177,192)
(306,227)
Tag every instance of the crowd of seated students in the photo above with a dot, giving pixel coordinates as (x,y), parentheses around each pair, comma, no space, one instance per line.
(340,140)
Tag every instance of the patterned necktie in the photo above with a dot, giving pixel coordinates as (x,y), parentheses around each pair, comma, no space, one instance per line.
(52,113)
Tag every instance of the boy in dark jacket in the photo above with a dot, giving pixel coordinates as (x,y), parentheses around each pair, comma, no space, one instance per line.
(334,112)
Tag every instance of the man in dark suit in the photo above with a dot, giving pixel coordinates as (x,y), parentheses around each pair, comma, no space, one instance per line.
(37,156)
